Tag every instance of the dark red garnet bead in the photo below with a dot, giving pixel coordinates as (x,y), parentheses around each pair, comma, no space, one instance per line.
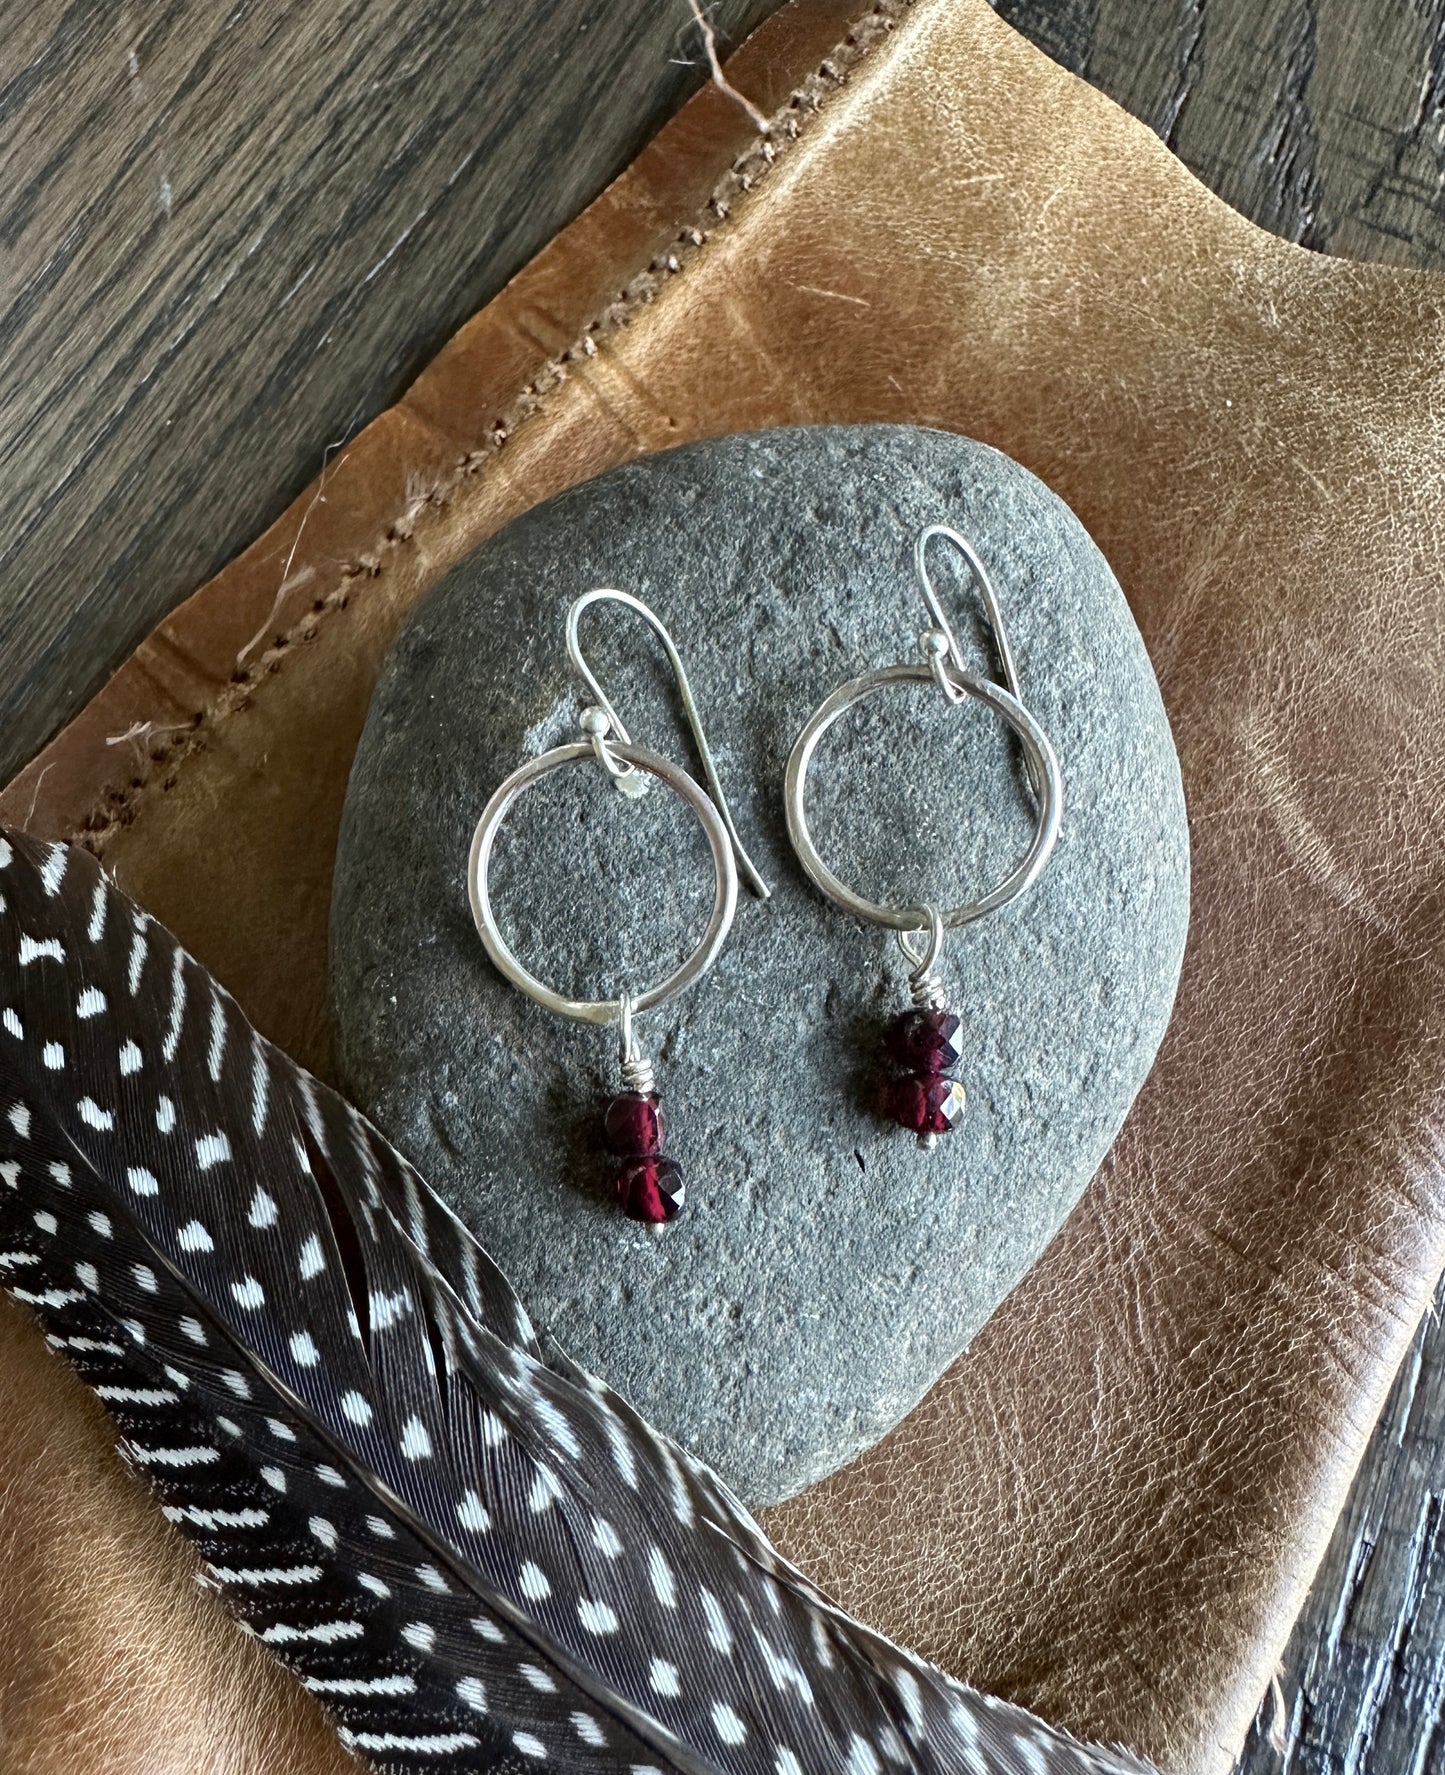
(634,1126)
(926,1104)
(926,1041)
(651,1189)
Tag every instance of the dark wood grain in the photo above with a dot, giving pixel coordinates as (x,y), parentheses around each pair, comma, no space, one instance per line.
(1362,1687)
(230,232)
(1323,120)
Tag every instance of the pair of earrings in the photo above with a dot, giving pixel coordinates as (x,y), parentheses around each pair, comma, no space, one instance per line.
(925,1041)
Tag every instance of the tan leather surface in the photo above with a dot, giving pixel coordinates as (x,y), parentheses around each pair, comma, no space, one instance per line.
(1109,1509)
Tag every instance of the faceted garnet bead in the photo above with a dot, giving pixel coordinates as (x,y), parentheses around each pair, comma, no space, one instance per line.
(926,1041)
(926,1104)
(651,1189)
(634,1126)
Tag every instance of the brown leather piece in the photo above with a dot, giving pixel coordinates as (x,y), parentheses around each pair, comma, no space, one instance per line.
(1110,1508)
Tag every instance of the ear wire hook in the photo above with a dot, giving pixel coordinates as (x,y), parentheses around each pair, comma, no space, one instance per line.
(943,630)
(612,721)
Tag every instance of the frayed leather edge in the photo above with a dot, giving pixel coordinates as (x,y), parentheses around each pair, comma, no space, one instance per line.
(121,808)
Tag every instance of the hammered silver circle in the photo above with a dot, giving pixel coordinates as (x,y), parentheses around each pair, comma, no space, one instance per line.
(725,871)
(1037,749)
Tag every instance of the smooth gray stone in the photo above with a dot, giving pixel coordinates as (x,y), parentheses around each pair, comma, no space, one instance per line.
(826,1270)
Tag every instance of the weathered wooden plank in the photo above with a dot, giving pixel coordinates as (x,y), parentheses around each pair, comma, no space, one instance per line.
(230,232)
(1323,120)
(1362,1687)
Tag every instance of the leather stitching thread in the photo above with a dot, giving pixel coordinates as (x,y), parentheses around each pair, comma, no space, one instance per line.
(120,807)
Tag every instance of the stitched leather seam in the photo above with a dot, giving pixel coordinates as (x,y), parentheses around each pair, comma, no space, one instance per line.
(120,807)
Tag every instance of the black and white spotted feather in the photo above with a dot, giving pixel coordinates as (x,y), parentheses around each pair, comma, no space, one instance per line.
(477,1557)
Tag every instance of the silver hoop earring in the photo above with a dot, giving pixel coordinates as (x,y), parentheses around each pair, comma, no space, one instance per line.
(927,1041)
(648,1184)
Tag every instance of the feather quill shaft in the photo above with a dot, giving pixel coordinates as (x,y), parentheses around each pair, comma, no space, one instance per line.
(478,1557)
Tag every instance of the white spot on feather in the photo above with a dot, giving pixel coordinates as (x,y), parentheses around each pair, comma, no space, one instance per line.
(94,1116)
(303,1349)
(533,1581)
(313,1258)
(324,1633)
(386,1309)
(862,1758)
(263,1210)
(260,1086)
(727,1724)
(472,1513)
(52,1057)
(470,1690)
(557,1427)
(415,1443)
(52,871)
(355,1409)
(178,1007)
(663,1584)
(597,1617)
(718,1632)
(137,958)
(91,1003)
(429,1744)
(194,1237)
(218,1039)
(31,951)
(420,1635)
(131,1060)
(545,1491)
(663,1677)
(20,1120)
(212,1149)
(96,929)
(249,1293)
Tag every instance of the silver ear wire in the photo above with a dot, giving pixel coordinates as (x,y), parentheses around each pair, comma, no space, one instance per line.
(943,629)
(631,782)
